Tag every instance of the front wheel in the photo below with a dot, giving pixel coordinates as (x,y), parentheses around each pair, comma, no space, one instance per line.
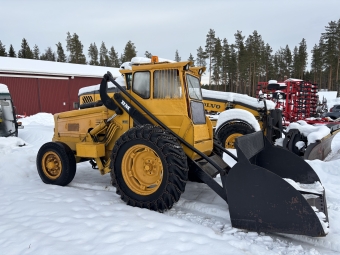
(149,168)
(56,163)
(230,131)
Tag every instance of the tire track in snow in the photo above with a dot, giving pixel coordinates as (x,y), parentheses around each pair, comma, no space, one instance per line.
(193,207)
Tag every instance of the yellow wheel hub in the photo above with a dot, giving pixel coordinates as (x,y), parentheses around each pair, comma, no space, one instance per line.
(51,165)
(142,169)
(230,141)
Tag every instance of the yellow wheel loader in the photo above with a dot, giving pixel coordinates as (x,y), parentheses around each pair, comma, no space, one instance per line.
(153,133)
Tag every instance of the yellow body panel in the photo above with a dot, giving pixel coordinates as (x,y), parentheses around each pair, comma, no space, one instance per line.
(90,150)
(214,106)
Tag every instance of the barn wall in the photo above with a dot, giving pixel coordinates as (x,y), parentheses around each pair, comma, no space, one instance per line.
(53,95)
(33,95)
(24,94)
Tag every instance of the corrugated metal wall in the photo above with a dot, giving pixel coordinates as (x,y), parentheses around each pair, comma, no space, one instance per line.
(33,95)
(24,94)
(53,95)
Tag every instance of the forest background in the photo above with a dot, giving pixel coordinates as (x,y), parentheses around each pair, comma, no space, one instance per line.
(235,67)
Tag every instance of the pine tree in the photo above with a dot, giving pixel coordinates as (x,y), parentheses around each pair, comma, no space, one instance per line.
(201,57)
(316,65)
(225,63)
(216,59)
(177,57)
(267,62)
(303,56)
(331,40)
(129,52)
(11,52)
(337,76)
(3,52)
(93,54)
(296,63)
(233,68)
(75,47)
(61,57)
(36,52)
(104,59)
(288,61)
(191,58)
(209,48)
(242,62)
(254,45)
(113,57)
(25,51)
(147,54)
(49,55)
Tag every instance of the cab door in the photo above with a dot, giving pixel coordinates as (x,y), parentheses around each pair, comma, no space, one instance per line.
(195,100)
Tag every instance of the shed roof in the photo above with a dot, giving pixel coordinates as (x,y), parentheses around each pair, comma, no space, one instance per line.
(40,67)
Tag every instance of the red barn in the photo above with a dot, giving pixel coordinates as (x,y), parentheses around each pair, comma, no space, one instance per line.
(46,86)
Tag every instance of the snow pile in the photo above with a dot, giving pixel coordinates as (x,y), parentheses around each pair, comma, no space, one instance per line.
(33,66)
(315,187)
(235,97)
(235,114)
(3,88)
(95,88)
(44,119)
(331,103)
(143,60)
(8,144)
(312,132)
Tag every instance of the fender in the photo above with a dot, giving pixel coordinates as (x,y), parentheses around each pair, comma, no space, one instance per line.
(238,115)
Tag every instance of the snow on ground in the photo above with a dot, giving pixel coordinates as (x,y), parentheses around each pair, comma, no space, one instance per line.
(88,217)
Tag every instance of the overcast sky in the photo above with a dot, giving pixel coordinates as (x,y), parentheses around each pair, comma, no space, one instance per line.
(162,27)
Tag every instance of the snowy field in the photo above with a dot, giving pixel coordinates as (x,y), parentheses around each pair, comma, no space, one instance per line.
(88,217)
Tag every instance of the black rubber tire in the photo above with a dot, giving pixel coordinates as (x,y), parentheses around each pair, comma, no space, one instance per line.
(67,159)
(231,128)
(174,162)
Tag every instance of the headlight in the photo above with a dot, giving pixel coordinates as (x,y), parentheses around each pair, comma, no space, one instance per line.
(186,67)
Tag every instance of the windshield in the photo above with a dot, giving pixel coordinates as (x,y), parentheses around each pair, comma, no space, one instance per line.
(194,87)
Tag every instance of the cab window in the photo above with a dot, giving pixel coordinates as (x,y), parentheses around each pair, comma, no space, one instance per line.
(167,84)
(194,87)
(141,84)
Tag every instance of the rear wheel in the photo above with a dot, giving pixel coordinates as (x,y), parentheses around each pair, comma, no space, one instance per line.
(229,132)
(56,163)
(149,168)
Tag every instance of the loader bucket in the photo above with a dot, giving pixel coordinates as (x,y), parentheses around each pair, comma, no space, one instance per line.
(261,200)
